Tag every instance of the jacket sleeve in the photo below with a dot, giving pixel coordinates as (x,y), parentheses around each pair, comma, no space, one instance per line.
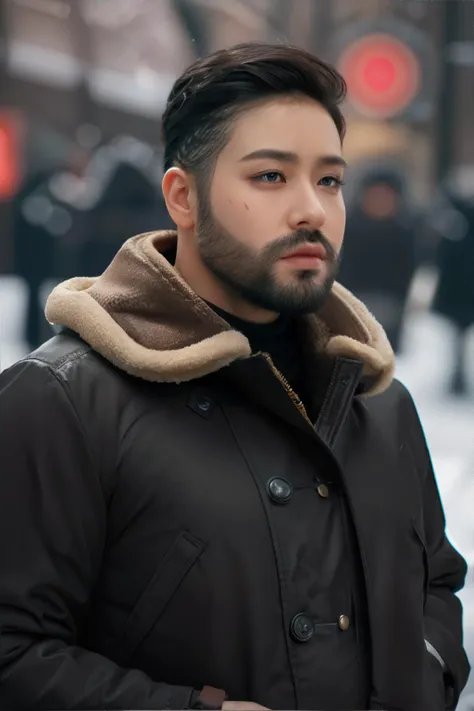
(447,572)
(52,534)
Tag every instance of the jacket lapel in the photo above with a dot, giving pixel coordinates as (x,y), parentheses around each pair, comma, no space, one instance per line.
(332,389)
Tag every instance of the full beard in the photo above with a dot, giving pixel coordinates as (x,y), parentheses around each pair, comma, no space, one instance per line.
(249,275)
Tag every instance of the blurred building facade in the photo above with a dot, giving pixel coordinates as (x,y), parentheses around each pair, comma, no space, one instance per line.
(78,76)
(88,70)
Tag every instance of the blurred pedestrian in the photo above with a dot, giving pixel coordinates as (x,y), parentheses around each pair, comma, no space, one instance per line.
(40,224)
(380,250)
(454,297)
(129,204)
(35,250)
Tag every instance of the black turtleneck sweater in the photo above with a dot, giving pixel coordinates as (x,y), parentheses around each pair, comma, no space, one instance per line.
(280,339)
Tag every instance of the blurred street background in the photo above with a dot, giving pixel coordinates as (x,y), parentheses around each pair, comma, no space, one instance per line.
(82,87)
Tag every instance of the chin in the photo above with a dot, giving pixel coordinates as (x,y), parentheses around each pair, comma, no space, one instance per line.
(316,277)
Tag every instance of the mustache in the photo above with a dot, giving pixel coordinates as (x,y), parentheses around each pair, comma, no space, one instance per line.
(297,239)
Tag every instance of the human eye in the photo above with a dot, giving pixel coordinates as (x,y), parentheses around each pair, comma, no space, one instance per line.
(331,181)
(270,177)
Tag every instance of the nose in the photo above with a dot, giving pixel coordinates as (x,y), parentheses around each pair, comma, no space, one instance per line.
(307,211)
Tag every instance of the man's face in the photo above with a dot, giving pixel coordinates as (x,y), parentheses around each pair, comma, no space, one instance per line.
(276,189)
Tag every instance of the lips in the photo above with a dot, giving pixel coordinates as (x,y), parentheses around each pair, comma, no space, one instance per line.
(308,251)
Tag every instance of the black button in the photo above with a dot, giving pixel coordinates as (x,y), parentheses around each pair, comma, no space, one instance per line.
(345,381)
(302,628)
(204,404)
(201,404)
(279,490)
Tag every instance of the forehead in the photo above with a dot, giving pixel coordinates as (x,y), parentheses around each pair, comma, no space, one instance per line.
(295,124)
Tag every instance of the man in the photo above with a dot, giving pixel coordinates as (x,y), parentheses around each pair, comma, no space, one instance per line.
(213,493)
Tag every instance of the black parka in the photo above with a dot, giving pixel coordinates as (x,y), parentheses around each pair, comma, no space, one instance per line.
(172,517)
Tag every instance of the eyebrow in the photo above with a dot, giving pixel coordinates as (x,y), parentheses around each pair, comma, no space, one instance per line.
(290,157)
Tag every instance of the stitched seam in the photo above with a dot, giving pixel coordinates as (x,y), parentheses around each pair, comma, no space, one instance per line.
(61,362)
(322,424)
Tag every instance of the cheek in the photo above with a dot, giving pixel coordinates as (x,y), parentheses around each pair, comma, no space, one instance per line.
(336,223)
(244,218)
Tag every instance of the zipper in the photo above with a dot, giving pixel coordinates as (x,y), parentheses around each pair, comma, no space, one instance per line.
(296,400)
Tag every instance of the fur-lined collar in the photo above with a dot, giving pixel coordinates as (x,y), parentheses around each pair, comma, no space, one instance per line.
(143,317)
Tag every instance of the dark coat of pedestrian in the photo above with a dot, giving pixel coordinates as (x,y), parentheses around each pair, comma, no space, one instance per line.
(454,298)
(381,250)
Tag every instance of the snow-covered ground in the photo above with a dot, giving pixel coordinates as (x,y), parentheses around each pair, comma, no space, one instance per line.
(424,368)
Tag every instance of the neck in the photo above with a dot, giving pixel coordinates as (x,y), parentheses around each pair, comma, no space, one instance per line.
(209,287)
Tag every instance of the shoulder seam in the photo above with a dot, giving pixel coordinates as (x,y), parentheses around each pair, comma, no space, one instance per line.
(60,362)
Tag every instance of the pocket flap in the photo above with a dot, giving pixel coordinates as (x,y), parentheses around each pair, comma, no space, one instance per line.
(175,566)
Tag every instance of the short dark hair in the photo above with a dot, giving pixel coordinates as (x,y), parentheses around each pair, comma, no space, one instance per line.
(212,92)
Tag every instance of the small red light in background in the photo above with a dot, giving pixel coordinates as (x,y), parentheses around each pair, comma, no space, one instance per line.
(380,74)
(383,74)
(10,162)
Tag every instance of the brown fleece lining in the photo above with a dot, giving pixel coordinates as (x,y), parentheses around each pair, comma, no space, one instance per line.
(355,333)
(143,317)
(146,296)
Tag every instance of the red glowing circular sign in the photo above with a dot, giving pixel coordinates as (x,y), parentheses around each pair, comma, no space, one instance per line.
(382,73)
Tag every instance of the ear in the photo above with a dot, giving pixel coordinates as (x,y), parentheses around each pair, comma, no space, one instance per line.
(180,197)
